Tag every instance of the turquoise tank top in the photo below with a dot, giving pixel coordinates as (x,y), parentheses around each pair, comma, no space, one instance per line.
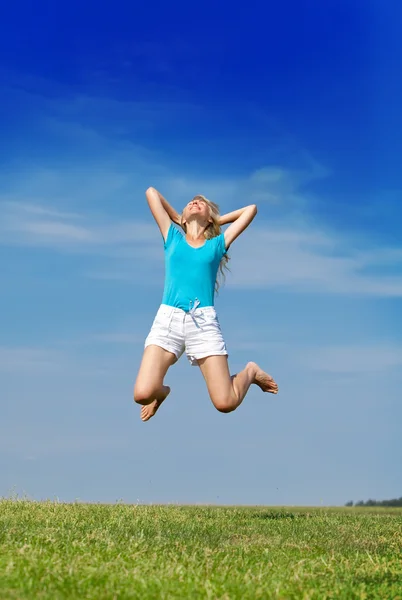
(190,273)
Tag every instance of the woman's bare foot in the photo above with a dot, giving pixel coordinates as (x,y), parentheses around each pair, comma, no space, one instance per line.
(264,381)
(149,410)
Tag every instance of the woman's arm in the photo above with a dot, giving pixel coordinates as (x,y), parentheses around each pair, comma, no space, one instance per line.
(231,217)
(161,210)
(173,214)
(240,220)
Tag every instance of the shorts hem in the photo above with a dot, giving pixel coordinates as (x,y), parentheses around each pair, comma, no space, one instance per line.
(194,359)
(164,347)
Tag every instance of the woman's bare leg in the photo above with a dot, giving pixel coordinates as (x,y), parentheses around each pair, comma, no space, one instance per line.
(228,392)
(149,389)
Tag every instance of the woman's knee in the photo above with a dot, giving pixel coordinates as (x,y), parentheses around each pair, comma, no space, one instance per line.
(144,393)
(224,404)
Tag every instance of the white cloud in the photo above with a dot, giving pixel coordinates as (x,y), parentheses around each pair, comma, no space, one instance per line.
(47,230)
(67,358)
(311,259)
(17,359)
(119,337)
(290,253)
(36,225)
(353,358)
(31,446)
(38,210)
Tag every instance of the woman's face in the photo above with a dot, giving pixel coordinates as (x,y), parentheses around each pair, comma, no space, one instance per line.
(197,206)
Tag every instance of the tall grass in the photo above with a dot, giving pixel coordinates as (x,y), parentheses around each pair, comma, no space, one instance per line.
(77,551)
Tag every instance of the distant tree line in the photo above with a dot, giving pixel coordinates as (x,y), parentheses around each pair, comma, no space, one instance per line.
(394,502)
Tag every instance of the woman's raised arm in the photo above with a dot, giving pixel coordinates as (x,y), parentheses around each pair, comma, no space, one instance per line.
(240,219)
(161,210)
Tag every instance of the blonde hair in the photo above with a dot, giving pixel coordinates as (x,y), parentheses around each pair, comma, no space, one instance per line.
(213,230)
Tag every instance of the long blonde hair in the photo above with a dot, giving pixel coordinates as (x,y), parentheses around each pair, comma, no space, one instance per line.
(213,230)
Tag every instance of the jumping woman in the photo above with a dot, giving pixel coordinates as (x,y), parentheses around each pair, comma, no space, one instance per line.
(187,320)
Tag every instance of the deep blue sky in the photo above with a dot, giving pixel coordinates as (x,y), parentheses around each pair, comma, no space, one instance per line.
(295,107)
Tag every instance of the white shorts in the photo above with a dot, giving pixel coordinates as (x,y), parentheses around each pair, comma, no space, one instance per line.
(197,332)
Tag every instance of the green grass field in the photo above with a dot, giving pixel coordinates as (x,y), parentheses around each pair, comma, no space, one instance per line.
(51,550)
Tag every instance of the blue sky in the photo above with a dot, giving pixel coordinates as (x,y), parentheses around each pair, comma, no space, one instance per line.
(294,107)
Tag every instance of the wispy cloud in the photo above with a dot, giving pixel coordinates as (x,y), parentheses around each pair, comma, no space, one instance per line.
(312,259)
(27,444)
(349,359)
(17,359)
(291,251)
(62,358)
(74,210)
(118,337)
(34,225)
(37,210)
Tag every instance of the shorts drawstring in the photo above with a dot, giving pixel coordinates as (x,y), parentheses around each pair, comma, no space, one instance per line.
(193,314)
(192,308)
(196,316)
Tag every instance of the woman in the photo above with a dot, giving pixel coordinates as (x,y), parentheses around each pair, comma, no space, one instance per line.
(186,319)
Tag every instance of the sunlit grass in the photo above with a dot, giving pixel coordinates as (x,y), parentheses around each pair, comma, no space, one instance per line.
(52,550)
